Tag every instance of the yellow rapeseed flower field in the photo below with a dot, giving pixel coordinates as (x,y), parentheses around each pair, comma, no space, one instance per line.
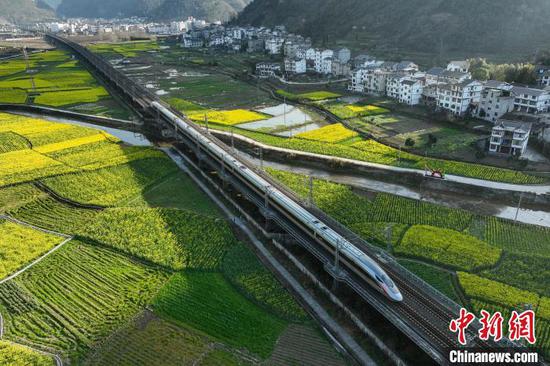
(71,143)
(229,118)
(331,133)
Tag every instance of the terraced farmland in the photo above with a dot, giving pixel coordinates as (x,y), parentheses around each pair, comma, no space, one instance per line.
(332,133)
(75,297)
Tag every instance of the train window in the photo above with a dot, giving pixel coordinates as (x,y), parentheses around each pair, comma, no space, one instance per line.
(378,278)
(315,221)
(243,167)
(324,228)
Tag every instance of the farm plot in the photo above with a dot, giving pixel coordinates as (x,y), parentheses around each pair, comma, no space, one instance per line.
(347,111)
(16,355)
(528,272)
(109,186)
(74,298)
(177,191)
(311,96)
(152,341)
(495,292)
(10,141)
(124,49)
(47,213)
(517,237)
(103,154)
(208,303)
(229,117)
(20,245)
(26,165)
(447,247)
(172,238)
(390,208)
(332,133)
(15,96)
(16,196)
(66,98)
(244,271)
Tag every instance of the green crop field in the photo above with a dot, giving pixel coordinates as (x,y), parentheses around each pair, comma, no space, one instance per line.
(55,79)
(246,273)
(517,237)
(447,247)
(16,196)
(124,49)
(525,271)
(109,186)
(21,244)
(16,355)
(75,297)
(207,302)
(176,191)
(152,341)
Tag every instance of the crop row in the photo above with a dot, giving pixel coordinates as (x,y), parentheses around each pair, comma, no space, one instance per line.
(10,141)
(157,342)
(483,289)
(75,297)
(448,247)
(109,186)
(526,271)
(208,303)
(246,273)
(16,196)
(332,133)
(518,237)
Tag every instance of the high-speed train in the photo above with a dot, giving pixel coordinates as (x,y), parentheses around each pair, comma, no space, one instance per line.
(360,263)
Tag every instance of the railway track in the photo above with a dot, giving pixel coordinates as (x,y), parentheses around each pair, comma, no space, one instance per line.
(423,315)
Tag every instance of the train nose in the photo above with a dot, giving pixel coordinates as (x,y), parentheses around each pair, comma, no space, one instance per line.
(396,296)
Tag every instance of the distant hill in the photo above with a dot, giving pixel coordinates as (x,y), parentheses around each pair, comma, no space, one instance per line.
(17,11)
(431,26)
(155,9)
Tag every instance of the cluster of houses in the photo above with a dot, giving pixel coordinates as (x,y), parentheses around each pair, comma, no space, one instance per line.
(79,26)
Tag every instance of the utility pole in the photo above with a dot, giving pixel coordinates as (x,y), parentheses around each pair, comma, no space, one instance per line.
(261,154)
(232,139)
(206,121)
(519,206)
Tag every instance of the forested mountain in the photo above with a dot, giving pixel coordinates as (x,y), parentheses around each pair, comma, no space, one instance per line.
(15,11)
(155,9)
(432,26)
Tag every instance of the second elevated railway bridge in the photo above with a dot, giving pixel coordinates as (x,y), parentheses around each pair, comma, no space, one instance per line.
(417,309)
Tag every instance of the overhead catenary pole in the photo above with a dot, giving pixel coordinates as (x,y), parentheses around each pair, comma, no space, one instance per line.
(310,196)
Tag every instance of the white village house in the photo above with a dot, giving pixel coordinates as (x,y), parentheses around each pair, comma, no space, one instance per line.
(494,104)
(509,137)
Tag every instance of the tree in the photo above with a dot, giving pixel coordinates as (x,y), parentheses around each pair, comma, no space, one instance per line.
(409,142)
